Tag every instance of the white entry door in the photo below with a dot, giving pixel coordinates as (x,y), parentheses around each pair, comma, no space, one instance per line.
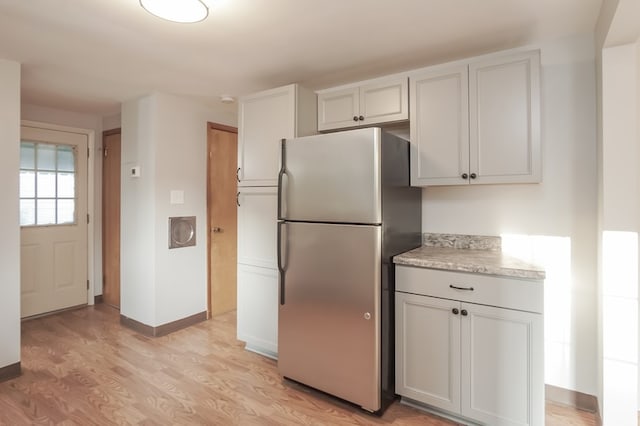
(53,219)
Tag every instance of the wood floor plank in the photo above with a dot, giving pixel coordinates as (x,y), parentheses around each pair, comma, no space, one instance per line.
(82,367)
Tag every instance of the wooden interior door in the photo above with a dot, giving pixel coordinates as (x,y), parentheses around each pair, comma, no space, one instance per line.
(222,145)
(111,218)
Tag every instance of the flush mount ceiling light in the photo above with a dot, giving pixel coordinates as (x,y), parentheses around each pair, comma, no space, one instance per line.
(184,11)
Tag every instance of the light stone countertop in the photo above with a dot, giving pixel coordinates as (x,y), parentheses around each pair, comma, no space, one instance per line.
(489,262)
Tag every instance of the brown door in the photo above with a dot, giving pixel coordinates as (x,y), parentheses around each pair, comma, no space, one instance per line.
(222,185)
(111,218)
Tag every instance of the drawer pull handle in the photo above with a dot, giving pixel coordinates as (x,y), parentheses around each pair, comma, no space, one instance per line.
(461,288)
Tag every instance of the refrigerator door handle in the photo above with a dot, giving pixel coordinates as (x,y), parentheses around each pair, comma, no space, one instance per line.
(281,269)
(281,173)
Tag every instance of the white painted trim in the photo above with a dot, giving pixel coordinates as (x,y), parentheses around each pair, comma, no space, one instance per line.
(91,167)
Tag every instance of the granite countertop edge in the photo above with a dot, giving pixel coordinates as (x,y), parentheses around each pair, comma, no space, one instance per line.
(474,261)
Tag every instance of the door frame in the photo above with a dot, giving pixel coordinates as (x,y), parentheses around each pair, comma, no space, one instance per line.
(105,133)
(93,222)
(224,128)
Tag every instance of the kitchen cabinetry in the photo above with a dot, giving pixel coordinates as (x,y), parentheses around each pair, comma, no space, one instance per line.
(364,104)
(265,118)
(257,269)
(457,354)
(476,122)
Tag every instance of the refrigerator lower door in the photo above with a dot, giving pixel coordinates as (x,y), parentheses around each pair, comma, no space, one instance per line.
(329,314)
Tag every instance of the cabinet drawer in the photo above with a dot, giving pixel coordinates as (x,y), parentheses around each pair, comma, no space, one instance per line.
(511,293)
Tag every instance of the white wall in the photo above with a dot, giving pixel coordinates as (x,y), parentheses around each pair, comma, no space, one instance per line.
(111,121)
(137,212)
(166,136)
(620,220)
(554,221)
(10,223)
(89,122)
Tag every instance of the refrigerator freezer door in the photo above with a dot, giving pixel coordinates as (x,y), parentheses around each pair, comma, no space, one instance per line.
(329,317)
(332,178)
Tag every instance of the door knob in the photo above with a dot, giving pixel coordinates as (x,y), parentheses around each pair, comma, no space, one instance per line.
(216,230)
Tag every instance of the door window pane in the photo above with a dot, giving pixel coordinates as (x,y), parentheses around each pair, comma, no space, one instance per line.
(27,184)
(47,184)
(46,212)
(66,185)
(66,160)
(46,155)
(66,211)
(27,212)
(27,155)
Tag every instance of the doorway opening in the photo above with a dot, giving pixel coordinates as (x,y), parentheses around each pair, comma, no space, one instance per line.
(111,155)
(222,160)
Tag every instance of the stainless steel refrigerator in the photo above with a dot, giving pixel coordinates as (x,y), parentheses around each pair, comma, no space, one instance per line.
(345,208)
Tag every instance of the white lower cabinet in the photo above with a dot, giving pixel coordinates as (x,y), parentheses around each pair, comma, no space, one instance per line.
(258,309)
(482,363)
(257,270)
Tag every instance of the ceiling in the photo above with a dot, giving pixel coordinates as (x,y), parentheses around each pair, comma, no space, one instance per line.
(90,55)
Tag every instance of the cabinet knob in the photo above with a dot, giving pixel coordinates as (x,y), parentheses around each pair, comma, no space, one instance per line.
(455,311)
(465,176)
(216,230)
(464,313)
(355,118)
(473,176)
(361,118)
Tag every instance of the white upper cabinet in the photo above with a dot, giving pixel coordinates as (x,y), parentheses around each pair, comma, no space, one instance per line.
(477,122)
(257,218)
(504,119)
(265,119)
(363,104)
(439,126)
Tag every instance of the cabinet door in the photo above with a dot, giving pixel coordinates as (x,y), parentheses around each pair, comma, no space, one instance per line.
(264,120)
(504,112)
(257,229)
(258,309)
(439,126)
(338,109)
(384,102)
(502,366)
(428,350)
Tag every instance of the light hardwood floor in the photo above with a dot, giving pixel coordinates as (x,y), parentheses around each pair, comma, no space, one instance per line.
(82,368)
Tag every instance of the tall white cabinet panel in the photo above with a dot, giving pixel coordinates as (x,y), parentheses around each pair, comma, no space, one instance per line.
(265,119)
(502,366)
(439,126)
(257,217)
(258,309)
(365,103)
(428,350)
(504,116)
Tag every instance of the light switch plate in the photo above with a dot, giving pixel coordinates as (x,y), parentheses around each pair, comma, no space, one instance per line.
(177,196)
